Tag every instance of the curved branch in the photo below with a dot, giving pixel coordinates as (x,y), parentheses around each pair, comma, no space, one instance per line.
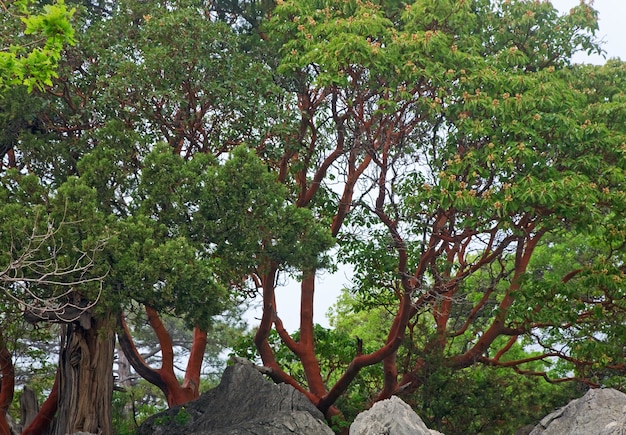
(291,344)
(135,358)
(497,327)
(165,340)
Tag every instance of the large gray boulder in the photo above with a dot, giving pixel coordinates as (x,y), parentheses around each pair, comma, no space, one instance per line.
(244,403)
(599,412)
(390,417)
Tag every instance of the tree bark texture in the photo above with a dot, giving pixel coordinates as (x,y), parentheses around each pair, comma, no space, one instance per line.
(41,422)
(29,407)
(7,384)
(86,379)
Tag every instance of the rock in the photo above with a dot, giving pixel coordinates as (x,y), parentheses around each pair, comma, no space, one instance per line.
(599,412)
(244,403)
(390,417)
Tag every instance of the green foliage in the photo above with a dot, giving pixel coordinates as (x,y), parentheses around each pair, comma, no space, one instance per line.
(133,405)
(182,417)
(478,400)
(474,400)
(234,214)
(205,145)
(52,239)
(49,30)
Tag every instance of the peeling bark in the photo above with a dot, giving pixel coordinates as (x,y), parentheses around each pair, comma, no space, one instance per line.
(86,379)
(42,421)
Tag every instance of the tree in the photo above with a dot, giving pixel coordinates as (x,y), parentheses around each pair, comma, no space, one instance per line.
(463,128)
(177,250)
(154,242)
(214,206)
(47,270)
(440,144)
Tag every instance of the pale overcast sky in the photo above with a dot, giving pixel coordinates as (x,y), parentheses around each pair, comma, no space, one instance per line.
(612,15)
(612,26)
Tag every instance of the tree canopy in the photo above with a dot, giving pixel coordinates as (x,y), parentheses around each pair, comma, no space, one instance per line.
(449,151)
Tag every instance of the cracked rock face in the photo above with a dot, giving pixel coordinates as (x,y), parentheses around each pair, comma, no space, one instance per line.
(599,412)
(244,403)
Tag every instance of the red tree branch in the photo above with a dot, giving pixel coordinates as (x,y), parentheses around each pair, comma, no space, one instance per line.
(191,381)
(134,357)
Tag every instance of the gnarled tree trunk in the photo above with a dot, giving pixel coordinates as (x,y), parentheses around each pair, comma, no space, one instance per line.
(86,378)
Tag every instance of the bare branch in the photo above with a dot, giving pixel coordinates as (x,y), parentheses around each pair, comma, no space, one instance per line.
(37,279)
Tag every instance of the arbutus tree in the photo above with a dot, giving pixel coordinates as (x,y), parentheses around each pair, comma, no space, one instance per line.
(504,183)
(215,205)
(462,141)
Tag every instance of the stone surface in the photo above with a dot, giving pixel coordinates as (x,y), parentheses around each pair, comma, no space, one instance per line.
(244,403)
(390,417)
(599,412)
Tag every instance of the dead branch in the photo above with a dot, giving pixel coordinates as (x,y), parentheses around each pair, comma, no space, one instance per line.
(45,288)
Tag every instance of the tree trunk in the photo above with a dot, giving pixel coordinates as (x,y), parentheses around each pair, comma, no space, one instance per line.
(124,373)
(41,422)
(86,378)
(29,407)
(125,380)
(7,384)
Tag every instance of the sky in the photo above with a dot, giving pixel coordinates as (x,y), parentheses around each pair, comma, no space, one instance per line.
(613,34)
(612,27)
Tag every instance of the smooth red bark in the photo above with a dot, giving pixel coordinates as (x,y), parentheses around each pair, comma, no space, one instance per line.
(164,377)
